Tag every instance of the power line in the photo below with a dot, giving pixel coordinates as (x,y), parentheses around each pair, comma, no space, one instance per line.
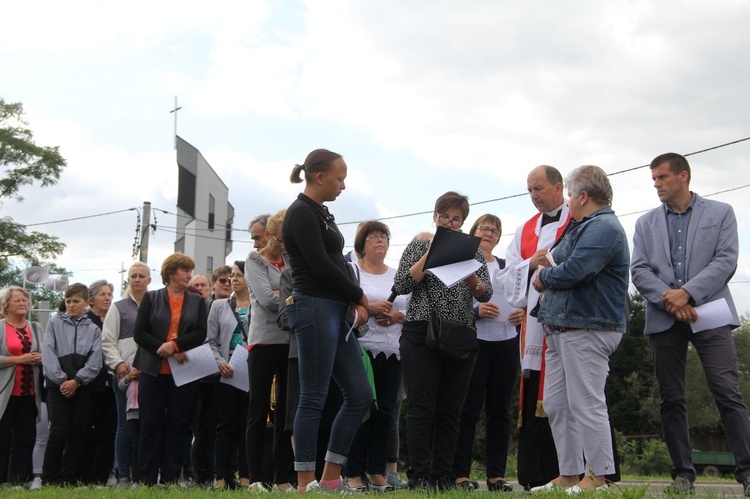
(81,218)
(504,198)
(207,237)
(221,226)
(686,155)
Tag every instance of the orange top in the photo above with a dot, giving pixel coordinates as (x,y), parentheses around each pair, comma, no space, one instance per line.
(175,305)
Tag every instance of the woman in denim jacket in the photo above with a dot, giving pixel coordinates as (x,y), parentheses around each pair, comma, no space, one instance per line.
(583,312)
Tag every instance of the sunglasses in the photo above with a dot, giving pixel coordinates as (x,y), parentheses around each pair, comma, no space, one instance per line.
(223,280)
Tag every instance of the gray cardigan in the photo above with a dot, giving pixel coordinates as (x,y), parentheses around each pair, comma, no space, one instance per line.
(8,373)
(262,279)
(221,325)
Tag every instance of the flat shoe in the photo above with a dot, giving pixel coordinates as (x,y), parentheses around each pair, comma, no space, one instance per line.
(499,486)
(467,485)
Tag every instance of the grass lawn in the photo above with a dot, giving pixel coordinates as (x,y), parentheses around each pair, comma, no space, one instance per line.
(625,491)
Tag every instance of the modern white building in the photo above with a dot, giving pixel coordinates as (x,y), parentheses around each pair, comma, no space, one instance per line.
(204,214)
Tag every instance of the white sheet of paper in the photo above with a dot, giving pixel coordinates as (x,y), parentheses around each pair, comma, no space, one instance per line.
(712,315)
(238,363)
(200,363)
(454,272)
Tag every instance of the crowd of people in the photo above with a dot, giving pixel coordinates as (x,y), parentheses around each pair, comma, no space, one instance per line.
(334,343)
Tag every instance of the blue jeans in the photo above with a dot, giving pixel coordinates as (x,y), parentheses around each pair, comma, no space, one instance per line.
(122,437)
(319,326)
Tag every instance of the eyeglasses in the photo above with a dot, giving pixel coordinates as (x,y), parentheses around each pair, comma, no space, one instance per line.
(488,230)
(223,280)
(236,276)
(455,223)
(376,236)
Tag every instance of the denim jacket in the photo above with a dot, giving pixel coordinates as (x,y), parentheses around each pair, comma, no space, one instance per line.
(589,286)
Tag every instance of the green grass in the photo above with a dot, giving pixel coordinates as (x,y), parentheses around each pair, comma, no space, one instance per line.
(616,491)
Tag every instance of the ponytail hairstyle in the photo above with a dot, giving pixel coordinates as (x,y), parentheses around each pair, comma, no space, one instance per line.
(319,160)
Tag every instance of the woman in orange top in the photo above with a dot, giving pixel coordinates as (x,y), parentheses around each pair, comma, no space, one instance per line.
(19,383)
(170,321)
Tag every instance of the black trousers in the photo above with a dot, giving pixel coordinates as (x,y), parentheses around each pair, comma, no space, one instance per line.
(99,448)
(718,356)
(491,385)
(203,425)
(134,429)
(68,424)
(537,455)
(17,437)
(164,411)
(369,451)
(436,388)
(263,363)
(232,404)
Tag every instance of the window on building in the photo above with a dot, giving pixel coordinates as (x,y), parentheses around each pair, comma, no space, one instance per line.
(209,265)
(211,212)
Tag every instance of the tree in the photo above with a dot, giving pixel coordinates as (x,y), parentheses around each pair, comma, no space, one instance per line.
(632,392)
(23,162)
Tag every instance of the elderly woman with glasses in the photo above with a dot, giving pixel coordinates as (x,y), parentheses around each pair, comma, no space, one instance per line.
(369,451)
(583,313)
(228,325)
(436,385)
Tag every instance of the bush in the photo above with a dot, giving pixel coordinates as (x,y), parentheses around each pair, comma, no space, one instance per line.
(645,457)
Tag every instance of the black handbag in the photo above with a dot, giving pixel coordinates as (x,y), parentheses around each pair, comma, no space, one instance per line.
(451,340)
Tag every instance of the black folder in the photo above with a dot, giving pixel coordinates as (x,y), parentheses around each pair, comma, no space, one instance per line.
(450,246)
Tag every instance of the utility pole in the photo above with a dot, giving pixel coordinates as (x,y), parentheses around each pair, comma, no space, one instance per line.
(145,229)
(175,120)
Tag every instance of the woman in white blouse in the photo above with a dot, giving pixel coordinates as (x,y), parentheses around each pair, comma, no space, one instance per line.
(369,451)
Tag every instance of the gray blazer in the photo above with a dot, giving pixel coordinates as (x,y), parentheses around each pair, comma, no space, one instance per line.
(221,325)
(711,257)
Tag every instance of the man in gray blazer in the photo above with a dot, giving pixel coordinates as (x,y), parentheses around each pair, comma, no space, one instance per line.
(684,254)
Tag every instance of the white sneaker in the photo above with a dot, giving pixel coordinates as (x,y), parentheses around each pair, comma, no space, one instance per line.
(36,483)
(314,485)
(257,487)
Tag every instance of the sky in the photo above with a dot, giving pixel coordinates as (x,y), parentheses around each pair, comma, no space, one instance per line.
(419,97)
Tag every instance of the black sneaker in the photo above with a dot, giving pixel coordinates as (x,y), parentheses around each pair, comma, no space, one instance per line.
(499,486)
(680,486)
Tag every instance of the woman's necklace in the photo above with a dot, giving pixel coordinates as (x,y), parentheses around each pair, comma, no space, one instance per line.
(242,302)
(382,269)
(18,325)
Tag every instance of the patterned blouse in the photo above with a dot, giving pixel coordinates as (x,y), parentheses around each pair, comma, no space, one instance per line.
(453,304)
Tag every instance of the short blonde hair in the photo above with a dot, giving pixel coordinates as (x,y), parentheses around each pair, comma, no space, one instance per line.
(8,294)
(172,263)
(274,223)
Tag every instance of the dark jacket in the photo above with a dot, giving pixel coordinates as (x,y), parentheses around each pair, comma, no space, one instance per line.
(152,326)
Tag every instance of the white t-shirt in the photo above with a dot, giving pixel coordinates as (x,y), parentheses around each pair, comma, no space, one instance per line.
(381,338)
(498,328)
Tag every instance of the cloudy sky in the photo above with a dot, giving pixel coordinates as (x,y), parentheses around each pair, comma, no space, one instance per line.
(420,97)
